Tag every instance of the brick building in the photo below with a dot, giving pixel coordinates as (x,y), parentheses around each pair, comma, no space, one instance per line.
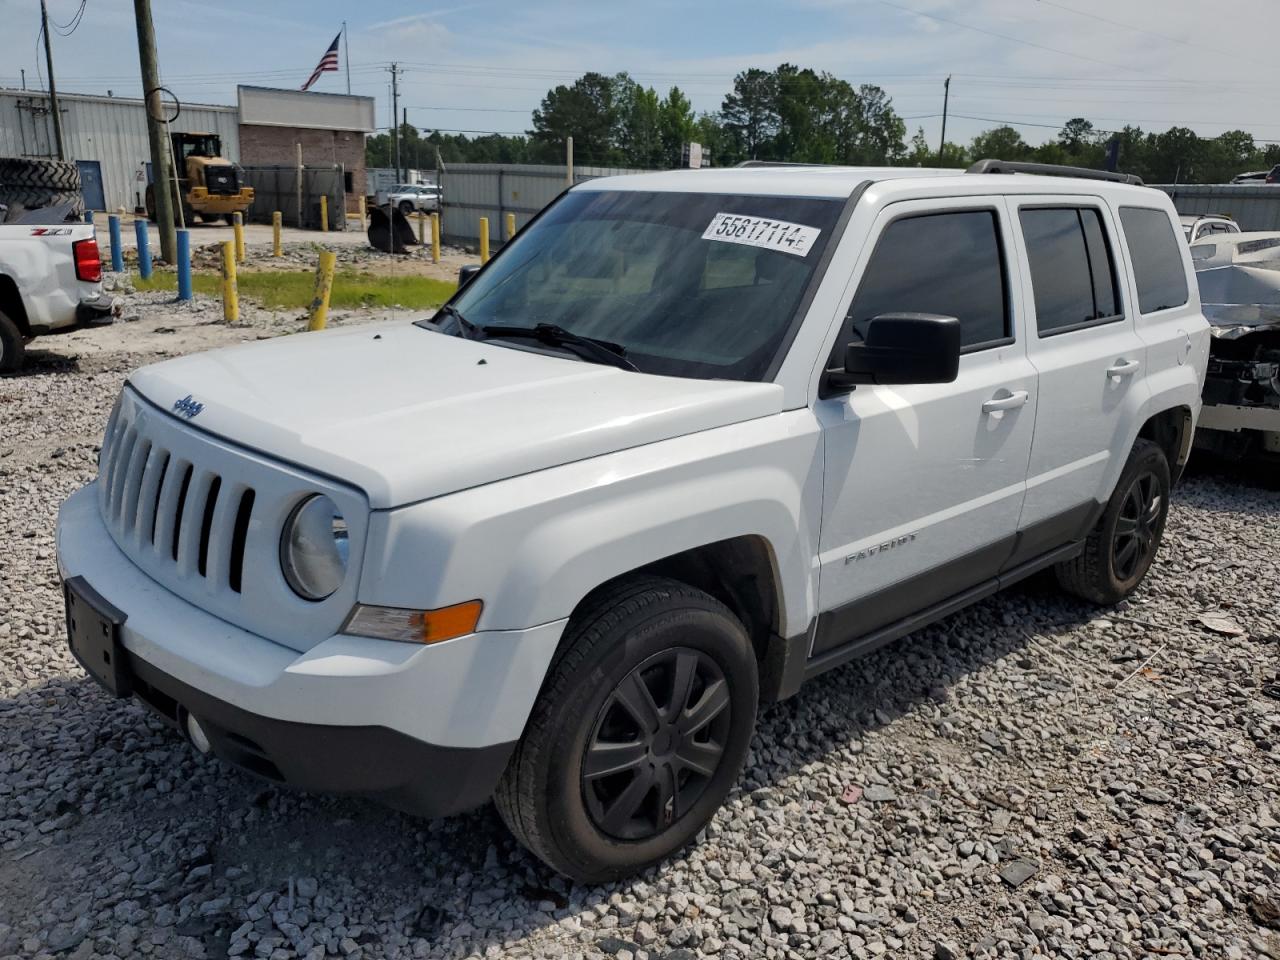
(330,127)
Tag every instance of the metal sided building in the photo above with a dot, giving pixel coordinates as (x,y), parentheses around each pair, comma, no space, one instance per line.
(106,136)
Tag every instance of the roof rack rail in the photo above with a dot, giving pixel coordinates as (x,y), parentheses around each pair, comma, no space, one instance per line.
(1053,170)
(775,163)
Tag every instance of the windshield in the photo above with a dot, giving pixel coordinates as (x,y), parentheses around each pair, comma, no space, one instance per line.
(688,284)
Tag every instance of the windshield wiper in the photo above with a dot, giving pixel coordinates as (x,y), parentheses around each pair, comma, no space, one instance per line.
(468,329)
(589,348)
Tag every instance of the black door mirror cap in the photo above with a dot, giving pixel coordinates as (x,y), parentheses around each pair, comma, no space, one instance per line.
(904,348)
(466,272)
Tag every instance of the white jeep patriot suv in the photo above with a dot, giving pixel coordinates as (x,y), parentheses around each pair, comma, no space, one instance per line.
(689,440)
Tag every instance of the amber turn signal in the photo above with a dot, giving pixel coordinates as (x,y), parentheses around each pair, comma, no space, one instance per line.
(414,626)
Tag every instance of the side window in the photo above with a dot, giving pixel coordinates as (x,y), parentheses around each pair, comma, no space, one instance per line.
(1157,258)
(945,263)
(1072,271)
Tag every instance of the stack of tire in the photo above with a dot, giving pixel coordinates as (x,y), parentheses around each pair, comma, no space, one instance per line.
(28,183)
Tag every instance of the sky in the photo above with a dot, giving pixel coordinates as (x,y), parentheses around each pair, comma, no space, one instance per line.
(472,65)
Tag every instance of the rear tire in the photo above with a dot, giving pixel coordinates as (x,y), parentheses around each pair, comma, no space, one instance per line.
(12,346)
(640,731)
(406,207)
(33,183)
(1121,547)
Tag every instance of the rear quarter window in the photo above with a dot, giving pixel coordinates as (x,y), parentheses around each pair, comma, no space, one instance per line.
(1156,253)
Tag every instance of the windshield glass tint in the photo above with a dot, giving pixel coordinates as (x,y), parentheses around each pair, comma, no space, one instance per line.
(685,291)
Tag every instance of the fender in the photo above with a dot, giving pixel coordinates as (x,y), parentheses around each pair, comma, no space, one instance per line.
(532,547)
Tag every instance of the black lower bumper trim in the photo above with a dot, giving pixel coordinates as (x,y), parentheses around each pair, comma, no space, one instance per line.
(378,762)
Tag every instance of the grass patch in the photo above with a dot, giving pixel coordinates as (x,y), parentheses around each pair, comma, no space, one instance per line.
(293,290)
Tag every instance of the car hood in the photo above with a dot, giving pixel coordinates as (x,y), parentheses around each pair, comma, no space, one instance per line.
(406,413)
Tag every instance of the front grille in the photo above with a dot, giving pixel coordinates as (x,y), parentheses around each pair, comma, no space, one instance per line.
(221,180)
(203,517)
(156,501)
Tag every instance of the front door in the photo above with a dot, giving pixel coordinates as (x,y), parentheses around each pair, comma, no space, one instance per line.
(924,483)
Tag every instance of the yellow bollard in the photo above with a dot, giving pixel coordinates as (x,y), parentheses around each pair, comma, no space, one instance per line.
(319,311)
(276,223)
(511,225)
(230,295)
(360,201)
(484,239)
(324,213)
(435,238)
(422,228)
(238,227)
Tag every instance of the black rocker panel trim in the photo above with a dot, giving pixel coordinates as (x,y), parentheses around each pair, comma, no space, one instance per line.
(864,625)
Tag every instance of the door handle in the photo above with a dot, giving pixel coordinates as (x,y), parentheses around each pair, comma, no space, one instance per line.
(1123,368)
(999,404)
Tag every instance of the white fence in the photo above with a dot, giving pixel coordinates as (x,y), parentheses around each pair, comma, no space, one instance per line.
(1254,208)
(475,190)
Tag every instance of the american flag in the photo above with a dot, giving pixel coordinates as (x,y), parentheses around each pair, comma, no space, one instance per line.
(328,62)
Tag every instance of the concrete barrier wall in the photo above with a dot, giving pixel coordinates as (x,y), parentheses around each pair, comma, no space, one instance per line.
(1254,208)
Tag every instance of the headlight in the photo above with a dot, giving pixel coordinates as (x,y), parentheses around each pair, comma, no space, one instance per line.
(314,548)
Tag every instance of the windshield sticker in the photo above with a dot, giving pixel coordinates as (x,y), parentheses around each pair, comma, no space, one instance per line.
(794,238)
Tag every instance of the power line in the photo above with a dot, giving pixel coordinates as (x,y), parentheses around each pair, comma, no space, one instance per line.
(67,29)
(1011,39)
(1149,32)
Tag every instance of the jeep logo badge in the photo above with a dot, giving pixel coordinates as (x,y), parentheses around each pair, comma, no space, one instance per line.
(187,407)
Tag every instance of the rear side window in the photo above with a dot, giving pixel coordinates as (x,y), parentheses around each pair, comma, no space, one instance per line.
(1157,258)
(1072,273)
(944,263)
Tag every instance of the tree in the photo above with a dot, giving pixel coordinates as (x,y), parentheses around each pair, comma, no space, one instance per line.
(585,111)
(676,124)
(1176,156)
(639,132)
(1076,134)
(1000,143)
(749,114)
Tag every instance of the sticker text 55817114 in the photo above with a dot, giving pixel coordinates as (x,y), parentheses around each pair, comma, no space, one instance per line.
(793,238)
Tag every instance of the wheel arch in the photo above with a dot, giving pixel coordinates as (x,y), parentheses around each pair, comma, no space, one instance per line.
(1171,429)
(11,304)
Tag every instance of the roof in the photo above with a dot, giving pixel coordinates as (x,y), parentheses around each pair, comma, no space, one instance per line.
(1189,218)
(839,182)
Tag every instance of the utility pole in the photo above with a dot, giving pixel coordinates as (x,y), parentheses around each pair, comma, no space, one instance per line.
(408,158)
(395,117)
(53,87)
(161,172)
(946,96)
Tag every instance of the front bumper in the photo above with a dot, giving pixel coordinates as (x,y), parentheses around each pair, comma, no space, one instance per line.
(427,728)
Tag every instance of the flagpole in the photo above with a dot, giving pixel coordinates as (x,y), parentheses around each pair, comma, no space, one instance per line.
(346,55)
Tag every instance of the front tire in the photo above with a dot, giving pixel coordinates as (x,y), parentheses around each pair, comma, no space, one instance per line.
(640,731)
(1122,546)
(406,207)
(12,346)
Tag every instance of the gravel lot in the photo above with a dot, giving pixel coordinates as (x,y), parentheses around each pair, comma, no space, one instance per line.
(1032,777)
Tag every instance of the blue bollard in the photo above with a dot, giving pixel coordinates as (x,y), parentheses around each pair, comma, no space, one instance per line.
(184,265)
(117,252)
(88,216)
(144,249)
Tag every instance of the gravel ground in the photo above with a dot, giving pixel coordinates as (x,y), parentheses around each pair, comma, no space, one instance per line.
(1031,777)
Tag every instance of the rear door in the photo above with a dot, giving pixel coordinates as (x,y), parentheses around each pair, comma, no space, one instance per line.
(1090,360)
(923,483)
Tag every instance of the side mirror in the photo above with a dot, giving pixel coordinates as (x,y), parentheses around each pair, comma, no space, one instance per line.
(466,272)
(904,348)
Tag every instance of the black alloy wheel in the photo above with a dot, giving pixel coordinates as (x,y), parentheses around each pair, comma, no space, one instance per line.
(656,744)
(1137,527)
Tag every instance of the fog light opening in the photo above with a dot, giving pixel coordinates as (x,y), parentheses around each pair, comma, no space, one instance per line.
(199,739)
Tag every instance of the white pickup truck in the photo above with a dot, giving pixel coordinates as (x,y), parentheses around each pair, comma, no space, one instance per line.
(50,282)
(690,440)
